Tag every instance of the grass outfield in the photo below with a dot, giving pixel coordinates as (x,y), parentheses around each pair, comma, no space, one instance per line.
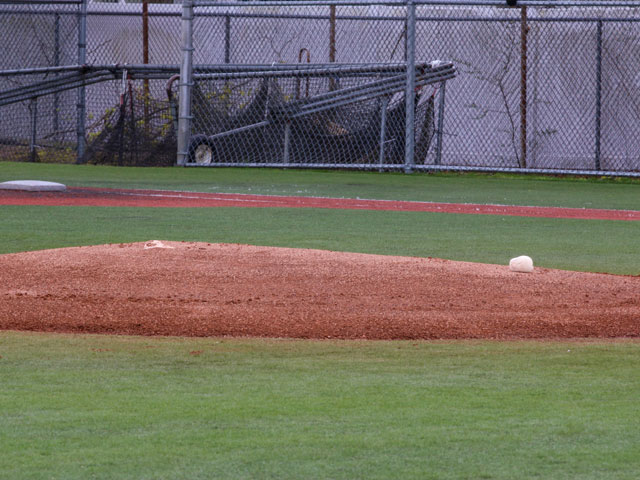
(133,407)
(620,193)
(78,407)
(581,245)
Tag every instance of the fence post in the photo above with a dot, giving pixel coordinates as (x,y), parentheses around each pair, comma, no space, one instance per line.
(287,144)
(186,82)
(34,129)
(383,129)
(227,39)
(81,95)
(598,92)
(524,30)
(409,137)
(56,62)
(440,123)
(146,92)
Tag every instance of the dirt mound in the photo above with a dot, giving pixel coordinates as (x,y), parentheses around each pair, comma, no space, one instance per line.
(196,289)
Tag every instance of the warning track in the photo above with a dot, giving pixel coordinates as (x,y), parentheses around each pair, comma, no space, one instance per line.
(170,199)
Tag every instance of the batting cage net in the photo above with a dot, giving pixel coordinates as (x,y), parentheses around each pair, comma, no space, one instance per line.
(343,115)
(138,130)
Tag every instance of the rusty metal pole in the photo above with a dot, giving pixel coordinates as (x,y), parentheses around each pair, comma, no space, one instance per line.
(524,31)
(81,105)
(146,94)
(332,42)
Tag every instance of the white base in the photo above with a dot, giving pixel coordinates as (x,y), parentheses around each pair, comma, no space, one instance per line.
(33,186)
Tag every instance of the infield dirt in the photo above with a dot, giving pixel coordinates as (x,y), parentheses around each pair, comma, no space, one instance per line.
(199,289)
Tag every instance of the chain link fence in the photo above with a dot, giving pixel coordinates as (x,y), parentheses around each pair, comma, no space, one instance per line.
(38,35)
(543,87)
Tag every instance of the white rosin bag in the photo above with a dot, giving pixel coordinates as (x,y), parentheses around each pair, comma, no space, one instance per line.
(522,264)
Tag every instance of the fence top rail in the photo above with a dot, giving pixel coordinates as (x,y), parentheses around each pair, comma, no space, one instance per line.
(401,3)
(297,3)
(41,2)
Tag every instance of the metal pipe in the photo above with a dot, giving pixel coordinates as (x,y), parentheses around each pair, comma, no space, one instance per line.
(524,30)
(409,143)
(34,129)
(43,92)
(598,93)
(369,93)
(440,131)
(305,3)
(434,19)
(333,85)
(383,128)
(186,82)
(357,96)
(71,81)
(56,61)
(535,103)
(81,93)
(227,39)
(384,82)
(44,2)
(392,3)
(287,143)
(338,103)
(300,54)
(146,93)
(389,84)
(41,70)
(533,3)
(48,87)
(399,67)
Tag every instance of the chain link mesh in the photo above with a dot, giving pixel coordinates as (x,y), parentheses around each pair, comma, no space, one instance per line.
(582,101)
(305,120)
(37,36)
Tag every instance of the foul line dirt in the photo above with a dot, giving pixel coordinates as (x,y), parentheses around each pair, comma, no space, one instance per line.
(169,199)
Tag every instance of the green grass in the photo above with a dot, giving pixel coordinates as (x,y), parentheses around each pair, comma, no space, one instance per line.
(77,407)
(583,245)
(141,408)
(620,193)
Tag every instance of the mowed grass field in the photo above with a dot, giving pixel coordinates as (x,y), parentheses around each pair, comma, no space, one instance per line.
(75,406)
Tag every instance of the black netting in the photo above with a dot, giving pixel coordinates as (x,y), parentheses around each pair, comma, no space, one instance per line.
(139,131)
(259,121)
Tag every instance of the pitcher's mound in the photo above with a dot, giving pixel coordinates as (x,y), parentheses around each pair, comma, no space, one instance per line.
(238,290)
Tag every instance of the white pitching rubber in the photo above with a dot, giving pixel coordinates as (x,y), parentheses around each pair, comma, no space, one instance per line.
(155,244)
(522,264)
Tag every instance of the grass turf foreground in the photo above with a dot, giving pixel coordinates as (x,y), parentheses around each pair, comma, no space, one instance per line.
(78,407)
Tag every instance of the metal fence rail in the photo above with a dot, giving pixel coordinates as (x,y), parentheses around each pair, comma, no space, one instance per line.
(548,86)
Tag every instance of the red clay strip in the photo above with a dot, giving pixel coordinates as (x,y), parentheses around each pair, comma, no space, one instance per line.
(169,199)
